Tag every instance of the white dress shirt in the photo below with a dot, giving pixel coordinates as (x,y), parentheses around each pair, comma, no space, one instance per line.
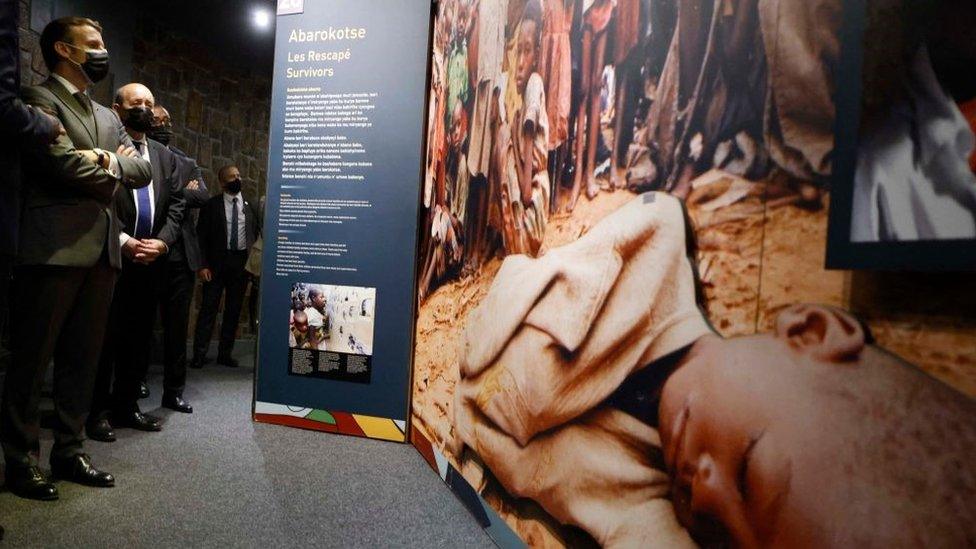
(241,226)
(124,237)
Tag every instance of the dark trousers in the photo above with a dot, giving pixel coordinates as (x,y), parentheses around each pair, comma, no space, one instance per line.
(6,274)
(126,353)
(174,302)
(229,276)
(59,313)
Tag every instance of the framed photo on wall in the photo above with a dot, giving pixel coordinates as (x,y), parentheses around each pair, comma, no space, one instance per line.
(904,185)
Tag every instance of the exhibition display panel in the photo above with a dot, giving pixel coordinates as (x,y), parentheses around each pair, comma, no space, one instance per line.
(341,216)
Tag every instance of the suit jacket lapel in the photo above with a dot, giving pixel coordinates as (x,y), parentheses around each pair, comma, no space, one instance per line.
(223,217)
(250,224)
(157,170)
(129,203)
(70,101)
(247,218)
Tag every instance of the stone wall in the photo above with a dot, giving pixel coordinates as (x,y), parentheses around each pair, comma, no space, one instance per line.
(220,114)
(118,35)
(32,69)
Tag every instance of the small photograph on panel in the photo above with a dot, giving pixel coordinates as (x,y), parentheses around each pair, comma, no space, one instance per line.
(916,162)
(331,318)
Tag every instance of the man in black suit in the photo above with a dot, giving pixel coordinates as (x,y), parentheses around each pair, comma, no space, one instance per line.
(183,262)
(151,220)
(67,261)
(20,125)
(227,229)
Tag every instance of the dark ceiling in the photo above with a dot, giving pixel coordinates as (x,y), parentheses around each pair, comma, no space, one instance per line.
(224,26)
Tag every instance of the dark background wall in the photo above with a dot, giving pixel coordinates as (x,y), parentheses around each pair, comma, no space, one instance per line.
(115,18)
(220,112)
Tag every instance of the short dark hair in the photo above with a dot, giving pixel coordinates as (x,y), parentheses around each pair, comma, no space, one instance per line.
(533,12)
(57,31)
(223,170)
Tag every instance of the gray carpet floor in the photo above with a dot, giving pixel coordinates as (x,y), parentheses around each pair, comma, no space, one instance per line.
(216,479)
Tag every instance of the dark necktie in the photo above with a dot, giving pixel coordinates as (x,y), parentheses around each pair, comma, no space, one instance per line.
(144,219)
(234,221)
(84,101)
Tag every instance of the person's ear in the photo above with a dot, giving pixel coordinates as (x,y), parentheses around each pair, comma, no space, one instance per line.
(63,49)
(822,332)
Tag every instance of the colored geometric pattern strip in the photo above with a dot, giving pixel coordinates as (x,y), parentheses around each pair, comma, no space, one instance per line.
(330,422)
(494,526)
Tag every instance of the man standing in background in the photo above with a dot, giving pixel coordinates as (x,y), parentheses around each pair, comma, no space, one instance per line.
(151,219)
(228,227)
(19,124)
(183,261)
(67,261)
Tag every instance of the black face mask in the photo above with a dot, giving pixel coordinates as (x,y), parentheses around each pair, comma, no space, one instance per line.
(95,66)
(163,134)
(139,119)
(234,187)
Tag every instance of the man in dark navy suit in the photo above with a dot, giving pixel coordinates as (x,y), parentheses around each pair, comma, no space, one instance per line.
(151,220)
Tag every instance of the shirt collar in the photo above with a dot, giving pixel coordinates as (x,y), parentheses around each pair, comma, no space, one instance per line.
(229,198)
(72,89)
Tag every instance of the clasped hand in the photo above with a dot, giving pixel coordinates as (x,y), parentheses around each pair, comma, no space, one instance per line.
(143,251)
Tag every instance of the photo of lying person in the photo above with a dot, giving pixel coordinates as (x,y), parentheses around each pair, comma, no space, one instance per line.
(592,384)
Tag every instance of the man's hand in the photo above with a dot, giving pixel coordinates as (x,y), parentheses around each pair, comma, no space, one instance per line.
(131,250)
(150,249)
(205,274)
(91,156)
(193,185)
(131,152)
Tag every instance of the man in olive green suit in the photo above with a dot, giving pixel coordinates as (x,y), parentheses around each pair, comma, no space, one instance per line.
(67,261)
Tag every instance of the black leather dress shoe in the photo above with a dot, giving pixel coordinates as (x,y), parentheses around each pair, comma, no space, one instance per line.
(230,362)
(100,430)
(136,420)
(176,402)
(197,362)
(78,468)
(143,390)
(29,482)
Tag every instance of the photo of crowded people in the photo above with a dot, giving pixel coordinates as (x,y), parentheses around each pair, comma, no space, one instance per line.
(626,209)
(339,319)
